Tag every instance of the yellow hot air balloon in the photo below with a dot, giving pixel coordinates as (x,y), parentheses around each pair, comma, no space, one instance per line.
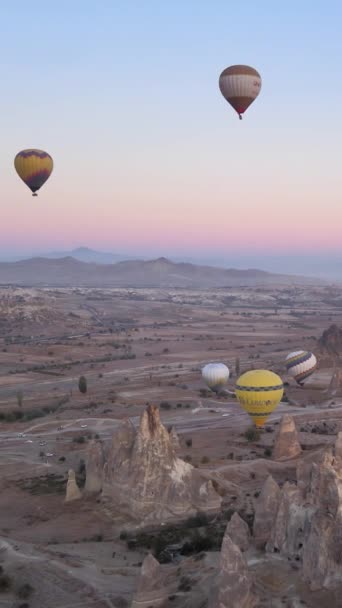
(240,85)
(259,391)
(34,167)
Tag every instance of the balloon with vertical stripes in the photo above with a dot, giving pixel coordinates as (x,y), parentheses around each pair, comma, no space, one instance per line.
(300,365)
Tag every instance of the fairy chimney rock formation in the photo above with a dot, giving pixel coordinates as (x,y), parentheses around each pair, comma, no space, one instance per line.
(233,584)
(239,532)
(266,511)
(335,382)
(94,467)
(331,340)
(72,490)
(338,450)
(174,439)
(144,479)
(286,442)
(308,526)
(149,590)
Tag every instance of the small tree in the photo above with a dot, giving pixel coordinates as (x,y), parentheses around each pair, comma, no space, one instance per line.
(20,397)
(252,434)
(237,366)
(82,384)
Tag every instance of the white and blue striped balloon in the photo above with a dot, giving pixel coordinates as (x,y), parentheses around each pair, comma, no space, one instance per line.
(300,365)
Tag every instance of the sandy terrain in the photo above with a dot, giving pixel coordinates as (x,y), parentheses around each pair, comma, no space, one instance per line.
(134,347)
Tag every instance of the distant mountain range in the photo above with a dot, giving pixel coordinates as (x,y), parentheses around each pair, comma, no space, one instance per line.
(84,254)
(328,266)
(70,272)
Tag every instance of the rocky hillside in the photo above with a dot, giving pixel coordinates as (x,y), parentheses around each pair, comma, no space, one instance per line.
(136,273)
(142,476)
(331,340)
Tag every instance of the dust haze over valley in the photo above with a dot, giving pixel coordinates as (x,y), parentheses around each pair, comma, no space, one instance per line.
(144,348)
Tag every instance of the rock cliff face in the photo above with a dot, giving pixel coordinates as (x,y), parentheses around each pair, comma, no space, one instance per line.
(335,385)
(143,478)
(151,590)
(265,512)
(94,467)
(308,524)
(286,443)
(331,340)
(233,584)
(239,532)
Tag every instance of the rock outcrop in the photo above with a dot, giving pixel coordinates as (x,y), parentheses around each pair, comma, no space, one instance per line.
(233,584)
(94,467)
(265,512)
(338,450)
(144,479)
(286,442)
(308,526)
(174,439)
(72,490)
(239,532)
(335,385)
(331,340)
(150,591)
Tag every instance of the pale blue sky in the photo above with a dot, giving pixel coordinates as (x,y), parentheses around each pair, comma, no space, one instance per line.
(125,97)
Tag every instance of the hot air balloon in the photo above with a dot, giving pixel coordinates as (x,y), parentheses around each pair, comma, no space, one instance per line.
(259,391)
(34,167)
(300,365)
(215,375)
(240,85)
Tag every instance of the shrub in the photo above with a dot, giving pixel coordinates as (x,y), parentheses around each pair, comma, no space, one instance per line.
(120,602)
(5,583)
(252,434)
(80,439)
(184,584)
(188,443)
(25,591)
(20,397)
(205,460)
(188,458)
(82,384)
(165,405)
(268,452)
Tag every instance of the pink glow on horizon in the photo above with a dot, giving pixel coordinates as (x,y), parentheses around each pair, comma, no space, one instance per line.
(45,223)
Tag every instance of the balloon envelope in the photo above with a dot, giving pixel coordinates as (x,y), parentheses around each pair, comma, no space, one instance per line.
(300,365)
(34,167)
(215,375)
(259,391)
(240,85)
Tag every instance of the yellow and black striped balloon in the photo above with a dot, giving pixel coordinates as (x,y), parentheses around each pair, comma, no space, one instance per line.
(259,391)
(34,167)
